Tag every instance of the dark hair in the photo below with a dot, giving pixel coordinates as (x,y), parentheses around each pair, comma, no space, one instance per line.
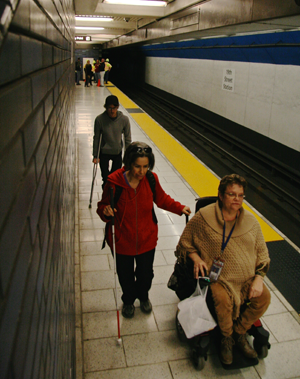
(229,180)
(138,150)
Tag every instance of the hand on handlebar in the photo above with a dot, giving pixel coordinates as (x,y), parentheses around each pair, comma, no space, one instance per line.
(186,210)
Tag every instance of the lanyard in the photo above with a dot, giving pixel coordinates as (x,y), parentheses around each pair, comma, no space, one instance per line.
(224,243)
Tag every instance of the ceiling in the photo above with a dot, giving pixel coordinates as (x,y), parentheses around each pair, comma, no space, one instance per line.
(248,16)
(126,18)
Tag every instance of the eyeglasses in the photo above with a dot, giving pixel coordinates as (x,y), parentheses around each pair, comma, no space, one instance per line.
(233,195)
(111,108)
(138,149)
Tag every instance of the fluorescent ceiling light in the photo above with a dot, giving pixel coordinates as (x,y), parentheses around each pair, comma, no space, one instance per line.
(212,36)
(186,40)
(89,27)
(104,36)
(93,18)
(149,3)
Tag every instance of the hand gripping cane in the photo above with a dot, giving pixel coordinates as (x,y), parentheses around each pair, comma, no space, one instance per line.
(115,259)
(95,172)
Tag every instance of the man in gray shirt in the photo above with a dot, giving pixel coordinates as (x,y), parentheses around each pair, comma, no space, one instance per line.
(111,124)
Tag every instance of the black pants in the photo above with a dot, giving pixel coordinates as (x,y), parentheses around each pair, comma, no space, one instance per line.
(104,165)
(106,76)
(135,282)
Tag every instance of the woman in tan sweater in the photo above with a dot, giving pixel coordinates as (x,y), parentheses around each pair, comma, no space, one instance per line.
(226,240)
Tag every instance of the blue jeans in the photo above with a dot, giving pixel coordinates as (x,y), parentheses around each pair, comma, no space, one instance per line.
(97,77)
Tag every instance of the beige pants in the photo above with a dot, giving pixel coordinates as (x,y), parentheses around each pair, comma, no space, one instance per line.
(223,306)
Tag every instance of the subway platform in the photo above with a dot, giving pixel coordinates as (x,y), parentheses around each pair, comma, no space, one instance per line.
(150,348)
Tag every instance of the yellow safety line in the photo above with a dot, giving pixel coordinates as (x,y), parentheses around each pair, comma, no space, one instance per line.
(203,182)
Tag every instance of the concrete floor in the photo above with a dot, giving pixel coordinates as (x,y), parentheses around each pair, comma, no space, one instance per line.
(150,348)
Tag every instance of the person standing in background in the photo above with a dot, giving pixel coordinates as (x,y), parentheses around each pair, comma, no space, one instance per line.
(102,72)
(97,71)
(88,73)
(93,74)
(108,67)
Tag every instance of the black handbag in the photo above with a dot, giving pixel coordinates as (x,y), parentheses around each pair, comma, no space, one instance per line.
(182,280)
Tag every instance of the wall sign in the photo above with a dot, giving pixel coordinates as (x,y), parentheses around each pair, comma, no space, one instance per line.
(83,38)
(228,79)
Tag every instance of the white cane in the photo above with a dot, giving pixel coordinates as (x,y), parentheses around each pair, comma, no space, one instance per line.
(115,260)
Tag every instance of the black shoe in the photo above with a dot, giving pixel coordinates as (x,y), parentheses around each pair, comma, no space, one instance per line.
(128,310)
(78,84)
(146,306)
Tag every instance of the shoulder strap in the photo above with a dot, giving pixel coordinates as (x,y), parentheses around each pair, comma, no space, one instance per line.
(152,182)
(118,192)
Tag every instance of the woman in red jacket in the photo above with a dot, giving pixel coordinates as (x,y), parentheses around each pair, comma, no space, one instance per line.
(135,223)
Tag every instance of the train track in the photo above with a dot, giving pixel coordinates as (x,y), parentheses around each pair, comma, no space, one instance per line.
(274,189)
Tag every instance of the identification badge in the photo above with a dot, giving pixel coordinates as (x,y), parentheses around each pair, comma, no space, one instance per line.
(216,269)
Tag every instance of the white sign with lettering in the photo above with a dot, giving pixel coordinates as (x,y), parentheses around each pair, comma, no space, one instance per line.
(83,38)
(228,79)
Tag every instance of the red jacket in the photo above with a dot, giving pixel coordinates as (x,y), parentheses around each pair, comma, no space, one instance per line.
(135,230)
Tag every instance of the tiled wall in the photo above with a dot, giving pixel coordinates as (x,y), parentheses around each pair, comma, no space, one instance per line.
(266,97)
(37,170)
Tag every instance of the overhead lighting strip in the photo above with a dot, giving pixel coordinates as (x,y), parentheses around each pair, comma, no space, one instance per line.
(147,3)
(89,27)
(93,18)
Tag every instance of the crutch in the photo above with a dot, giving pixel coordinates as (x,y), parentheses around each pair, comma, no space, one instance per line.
(95,172)
(115,260)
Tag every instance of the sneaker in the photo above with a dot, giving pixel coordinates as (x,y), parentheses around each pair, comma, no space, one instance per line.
(128,310)
(226,350)
(146,306)
(244,346)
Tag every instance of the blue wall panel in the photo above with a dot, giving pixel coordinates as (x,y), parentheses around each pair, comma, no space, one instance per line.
(274,48)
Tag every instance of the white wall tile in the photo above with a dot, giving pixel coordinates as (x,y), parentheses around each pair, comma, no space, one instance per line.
(266,97)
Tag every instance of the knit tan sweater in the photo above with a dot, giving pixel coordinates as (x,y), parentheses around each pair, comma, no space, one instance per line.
(245,255)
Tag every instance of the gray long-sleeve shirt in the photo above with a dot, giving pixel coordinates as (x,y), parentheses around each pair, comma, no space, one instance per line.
(111,130)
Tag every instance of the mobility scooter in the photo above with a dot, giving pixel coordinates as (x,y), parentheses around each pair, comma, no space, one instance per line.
(200,343)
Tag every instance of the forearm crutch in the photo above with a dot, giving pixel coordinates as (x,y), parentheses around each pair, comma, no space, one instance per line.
(95,172)
(115,260)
